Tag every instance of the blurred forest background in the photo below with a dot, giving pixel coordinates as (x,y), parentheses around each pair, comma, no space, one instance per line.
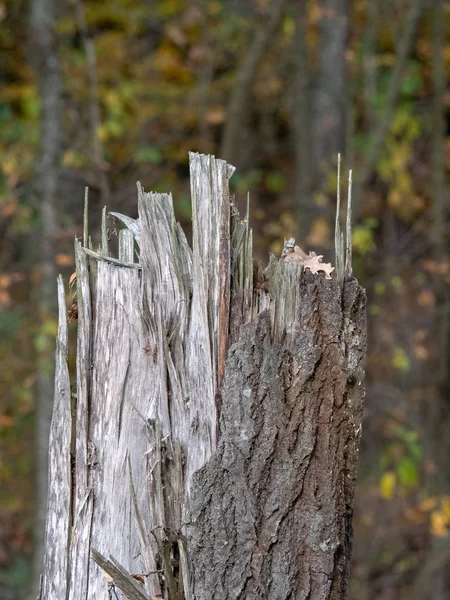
(103,93)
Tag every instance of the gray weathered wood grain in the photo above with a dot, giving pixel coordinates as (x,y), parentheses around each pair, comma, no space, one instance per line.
(57,534)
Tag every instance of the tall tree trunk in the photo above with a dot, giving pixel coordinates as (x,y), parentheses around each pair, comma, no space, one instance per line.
(303,190)
(245,78)
(218,414)
(330,102)
(370,60)
(44,47)
(94,103)
(440,190)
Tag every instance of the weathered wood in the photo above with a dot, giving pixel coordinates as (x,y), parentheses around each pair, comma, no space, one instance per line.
(126,246)
(57,532)
(218,413)
(119,577)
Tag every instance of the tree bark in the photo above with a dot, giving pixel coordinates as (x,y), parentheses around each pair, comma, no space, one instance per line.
(270,515)
(218,416)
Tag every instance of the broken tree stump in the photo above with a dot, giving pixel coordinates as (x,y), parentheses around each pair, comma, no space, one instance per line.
(210,450)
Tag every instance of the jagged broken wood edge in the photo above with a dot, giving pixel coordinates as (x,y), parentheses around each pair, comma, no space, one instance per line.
(283,301)
(343,253)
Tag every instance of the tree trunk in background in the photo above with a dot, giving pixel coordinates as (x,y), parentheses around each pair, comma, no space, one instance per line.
(98,160)
(245,78)
(218,415)
(370,62)
(44,51)
(330,104)
(440,191)
(304,170)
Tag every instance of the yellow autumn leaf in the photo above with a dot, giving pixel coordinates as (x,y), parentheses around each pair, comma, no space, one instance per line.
(387,485)
(428,504)
(395,198)
(439,524)
(8,166)
(445,501)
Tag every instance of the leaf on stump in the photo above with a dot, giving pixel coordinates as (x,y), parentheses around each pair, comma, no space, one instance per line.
(310,261)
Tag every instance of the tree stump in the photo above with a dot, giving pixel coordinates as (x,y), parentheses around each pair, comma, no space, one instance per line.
(210,450)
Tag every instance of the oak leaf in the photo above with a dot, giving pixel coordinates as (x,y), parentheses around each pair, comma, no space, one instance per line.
(310,261)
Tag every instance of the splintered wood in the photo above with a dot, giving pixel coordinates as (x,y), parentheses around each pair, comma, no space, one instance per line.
(210,449)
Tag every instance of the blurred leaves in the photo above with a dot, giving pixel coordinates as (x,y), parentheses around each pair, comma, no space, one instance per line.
(402,458)
(400,360)
(387,485)
(165,72)
(363,236)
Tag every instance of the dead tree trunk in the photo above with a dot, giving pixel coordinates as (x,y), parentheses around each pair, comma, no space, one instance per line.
(217,415)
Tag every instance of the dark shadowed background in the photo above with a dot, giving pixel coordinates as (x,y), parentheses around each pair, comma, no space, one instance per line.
(103,93)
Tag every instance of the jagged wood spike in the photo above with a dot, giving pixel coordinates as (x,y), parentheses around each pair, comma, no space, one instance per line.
(348,231)
(132,224)
(248,284)
(85,217)
(58,527)
(121,578)
(247,213)
(111,259)
(247,250)
(337,232)
(126,246)
(104,233)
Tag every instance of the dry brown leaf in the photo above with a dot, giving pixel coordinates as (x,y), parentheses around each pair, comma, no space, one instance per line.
(310,261)
(63,260)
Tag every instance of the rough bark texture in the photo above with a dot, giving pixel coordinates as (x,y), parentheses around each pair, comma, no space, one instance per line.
(217,417)
(271,515)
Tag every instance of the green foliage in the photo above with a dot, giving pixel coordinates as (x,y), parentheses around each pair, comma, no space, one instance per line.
(19,574)
(148,154)
(275,181)
(10,323)
(400,360)
(245,181)
(401,461)
(363,236)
